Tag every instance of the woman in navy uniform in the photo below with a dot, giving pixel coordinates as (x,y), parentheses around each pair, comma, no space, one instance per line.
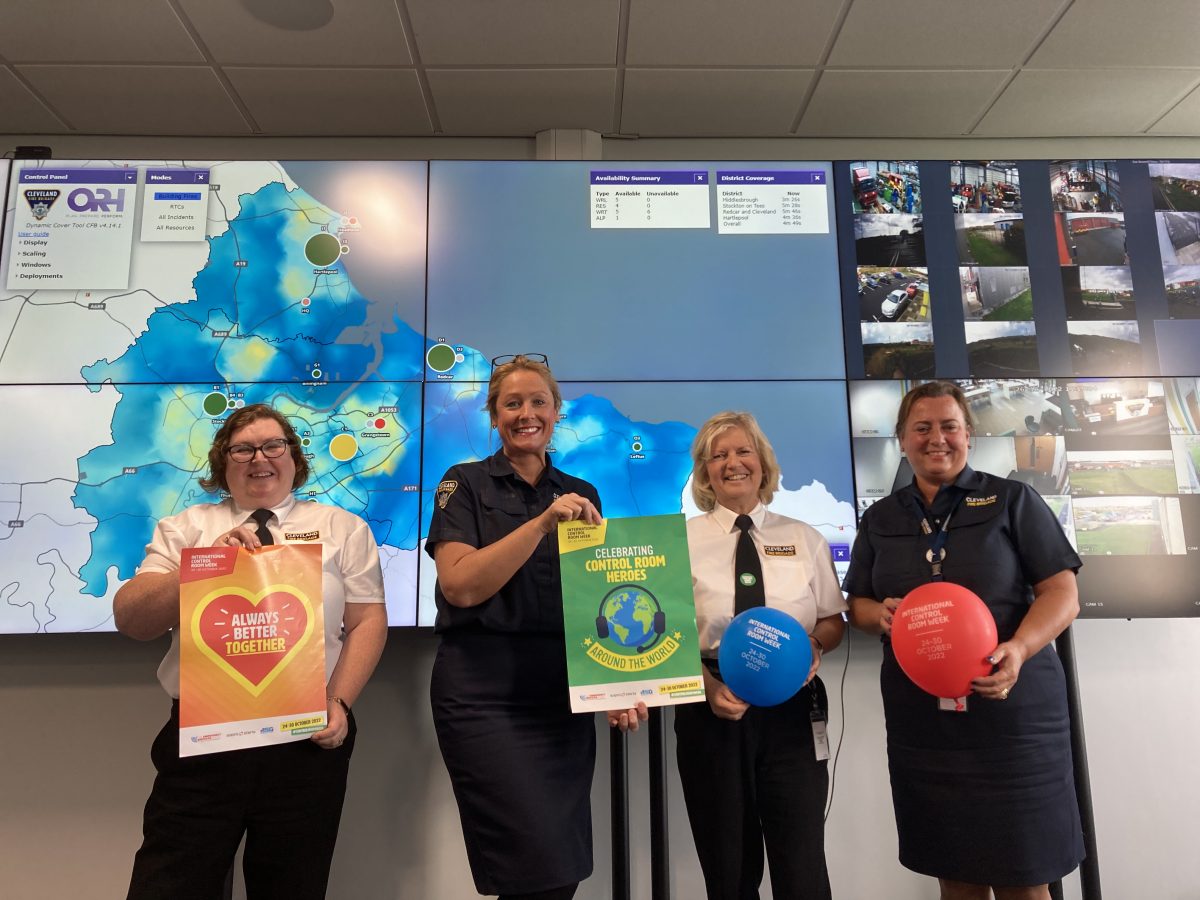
(520,762)
(984,799)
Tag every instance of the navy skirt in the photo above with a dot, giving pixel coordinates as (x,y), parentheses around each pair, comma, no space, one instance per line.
(986,796)
(520,761)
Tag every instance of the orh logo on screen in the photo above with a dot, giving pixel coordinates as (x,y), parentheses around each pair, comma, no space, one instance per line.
(101,199)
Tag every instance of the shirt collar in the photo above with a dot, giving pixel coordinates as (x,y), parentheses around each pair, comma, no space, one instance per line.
(968,480)
(727,518)
(498,465)
(281,510)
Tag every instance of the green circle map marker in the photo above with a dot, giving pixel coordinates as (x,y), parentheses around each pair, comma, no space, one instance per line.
(440,357)
(215,404)
(323,249)
(637,447)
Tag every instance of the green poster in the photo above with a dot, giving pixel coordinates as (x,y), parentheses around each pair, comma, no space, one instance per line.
(629,613)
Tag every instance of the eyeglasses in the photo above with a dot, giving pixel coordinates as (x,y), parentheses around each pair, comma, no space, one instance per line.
(272,449)
(510,357)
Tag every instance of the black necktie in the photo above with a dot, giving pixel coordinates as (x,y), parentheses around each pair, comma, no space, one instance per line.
(262,516)
(748,582)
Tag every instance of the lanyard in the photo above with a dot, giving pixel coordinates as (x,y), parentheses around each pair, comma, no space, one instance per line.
(937,539)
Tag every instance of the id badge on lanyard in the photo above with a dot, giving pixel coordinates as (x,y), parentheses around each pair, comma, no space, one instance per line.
(935,556)
(819,729)
(937,546)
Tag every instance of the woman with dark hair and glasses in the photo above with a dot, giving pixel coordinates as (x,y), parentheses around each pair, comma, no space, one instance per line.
(286,798)
(520,762)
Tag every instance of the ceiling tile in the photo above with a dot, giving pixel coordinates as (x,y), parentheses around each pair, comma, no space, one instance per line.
(333,101)
(718,33)
(1183,119)
(928,33)
(127,31)
(138,99)
(711,102)
(1072,102)
(21,112)
(898,103)
(1102,33)
(522,101)
(361,33)
(516,32)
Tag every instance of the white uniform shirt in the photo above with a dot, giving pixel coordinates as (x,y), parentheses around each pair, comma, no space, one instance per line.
(350,571)
(798,574)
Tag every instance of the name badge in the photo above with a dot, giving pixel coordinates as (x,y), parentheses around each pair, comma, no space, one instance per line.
(952,704)
(820,734)
(781,550)
(981,501)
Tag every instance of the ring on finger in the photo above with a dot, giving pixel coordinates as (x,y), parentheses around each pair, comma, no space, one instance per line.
(1004,694)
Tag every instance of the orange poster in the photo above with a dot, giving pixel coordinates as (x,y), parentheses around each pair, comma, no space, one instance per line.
(251,647)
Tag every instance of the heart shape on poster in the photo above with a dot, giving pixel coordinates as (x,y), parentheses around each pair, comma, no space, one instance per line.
(252,637)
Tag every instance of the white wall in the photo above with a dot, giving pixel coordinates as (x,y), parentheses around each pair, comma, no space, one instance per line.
(81,710)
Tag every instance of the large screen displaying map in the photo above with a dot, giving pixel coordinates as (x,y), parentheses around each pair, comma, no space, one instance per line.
(140,301)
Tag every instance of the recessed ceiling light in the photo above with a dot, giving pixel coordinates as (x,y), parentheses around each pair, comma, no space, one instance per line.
(292,15)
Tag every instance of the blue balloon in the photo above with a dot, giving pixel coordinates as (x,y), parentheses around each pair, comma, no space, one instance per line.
(764,656)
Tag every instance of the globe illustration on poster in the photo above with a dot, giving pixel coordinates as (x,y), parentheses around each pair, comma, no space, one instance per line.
(629,611)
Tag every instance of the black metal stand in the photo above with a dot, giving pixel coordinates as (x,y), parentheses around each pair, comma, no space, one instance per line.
(619,788)
(1089,869)
(660,869)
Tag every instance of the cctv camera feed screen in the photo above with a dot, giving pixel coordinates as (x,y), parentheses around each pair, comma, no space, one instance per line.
(1117,461)
(1064,297)
(892,279)
(1062,268)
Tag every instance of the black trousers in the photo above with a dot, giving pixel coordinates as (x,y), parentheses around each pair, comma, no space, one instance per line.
(286,799)
(754,782)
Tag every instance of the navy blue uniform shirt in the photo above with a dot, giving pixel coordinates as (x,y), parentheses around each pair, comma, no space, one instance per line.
(1002,540)
(478,503)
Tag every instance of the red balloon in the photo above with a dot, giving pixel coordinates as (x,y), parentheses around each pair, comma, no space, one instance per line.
(942,634)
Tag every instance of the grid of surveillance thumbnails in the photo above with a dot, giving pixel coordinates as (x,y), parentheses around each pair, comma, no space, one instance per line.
(1113,450)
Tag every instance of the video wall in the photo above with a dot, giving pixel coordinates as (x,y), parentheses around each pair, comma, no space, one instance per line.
(141,301)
